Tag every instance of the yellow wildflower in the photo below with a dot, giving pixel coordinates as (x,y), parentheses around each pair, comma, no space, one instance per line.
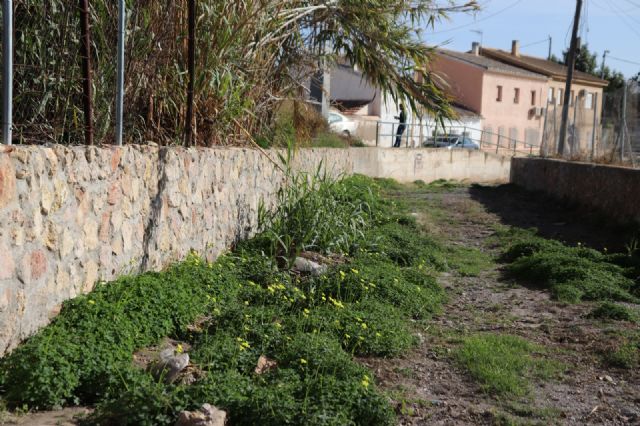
(365,382)
(303,361)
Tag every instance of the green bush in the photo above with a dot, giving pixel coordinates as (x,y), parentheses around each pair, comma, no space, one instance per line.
(317,213)
(570,273)
(95,335)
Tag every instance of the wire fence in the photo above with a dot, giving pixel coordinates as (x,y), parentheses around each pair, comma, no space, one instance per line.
(417,135)
(602,129)
(220,63)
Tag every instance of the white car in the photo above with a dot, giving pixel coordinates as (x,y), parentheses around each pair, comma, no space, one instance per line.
(341,124)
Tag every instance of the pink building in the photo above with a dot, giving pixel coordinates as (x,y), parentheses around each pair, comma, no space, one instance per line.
(513,92)
(510,99)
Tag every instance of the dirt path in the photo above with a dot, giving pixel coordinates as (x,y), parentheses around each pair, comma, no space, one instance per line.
(430,388)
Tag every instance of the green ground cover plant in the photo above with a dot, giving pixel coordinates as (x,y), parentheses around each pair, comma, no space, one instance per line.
(627,353)
(253,305)
(613,311)
(504,364)
(571,274)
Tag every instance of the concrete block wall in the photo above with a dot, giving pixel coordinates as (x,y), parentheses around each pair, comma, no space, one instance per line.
(611,190)
(409,165)
(72,216)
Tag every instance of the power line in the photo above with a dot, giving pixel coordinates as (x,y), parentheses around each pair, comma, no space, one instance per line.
(546,40)
(622,18)
(631,2)
(623,60)
(512,5)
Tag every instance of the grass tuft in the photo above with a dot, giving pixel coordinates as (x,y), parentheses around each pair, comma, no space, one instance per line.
(504,364)
(613,311)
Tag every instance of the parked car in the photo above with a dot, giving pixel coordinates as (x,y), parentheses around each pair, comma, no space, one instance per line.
(451,142)
(341,124)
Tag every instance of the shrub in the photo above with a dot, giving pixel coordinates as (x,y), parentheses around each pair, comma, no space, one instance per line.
(316,212)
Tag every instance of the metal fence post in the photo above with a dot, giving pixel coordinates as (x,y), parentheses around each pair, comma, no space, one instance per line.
(623,133)
(120,78)
(7,77)
(377,132)
(189,134)
(595,121)
(85,32)
(498,144)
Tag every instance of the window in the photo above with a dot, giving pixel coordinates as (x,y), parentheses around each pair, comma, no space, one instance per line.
(550,96)
(560,99)
(334,118)
(499,98)
(533,98)
(571,100)
(588,101)
(516,96)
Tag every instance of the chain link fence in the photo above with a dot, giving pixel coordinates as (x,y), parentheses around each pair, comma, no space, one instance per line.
(603,130)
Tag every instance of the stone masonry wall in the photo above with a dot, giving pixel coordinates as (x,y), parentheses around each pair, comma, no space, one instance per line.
(610,190)
(70,217)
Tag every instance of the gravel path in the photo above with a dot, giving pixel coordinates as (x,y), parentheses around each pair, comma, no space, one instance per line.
(427,385)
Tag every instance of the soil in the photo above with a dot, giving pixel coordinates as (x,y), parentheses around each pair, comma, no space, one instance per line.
(429,388)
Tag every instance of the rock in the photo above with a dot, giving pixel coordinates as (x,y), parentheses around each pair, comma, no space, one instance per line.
(304,265)
(265,365)
(170,364)
(208,415)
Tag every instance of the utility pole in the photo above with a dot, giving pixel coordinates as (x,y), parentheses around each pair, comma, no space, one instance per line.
(550,46)
(604,58)
(570,69)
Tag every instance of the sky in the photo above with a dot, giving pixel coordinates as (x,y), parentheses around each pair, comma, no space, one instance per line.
(612,25)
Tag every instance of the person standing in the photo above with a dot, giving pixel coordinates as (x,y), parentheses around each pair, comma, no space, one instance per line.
(401,128)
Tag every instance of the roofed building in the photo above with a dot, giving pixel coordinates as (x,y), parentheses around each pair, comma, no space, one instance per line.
(520,97)
(509,98)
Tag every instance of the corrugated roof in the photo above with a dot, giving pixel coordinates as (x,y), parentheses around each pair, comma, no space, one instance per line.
(541,66)
(491,64)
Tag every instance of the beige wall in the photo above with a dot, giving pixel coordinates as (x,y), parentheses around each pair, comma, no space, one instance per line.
(508,118)
(464,80)
(428,165)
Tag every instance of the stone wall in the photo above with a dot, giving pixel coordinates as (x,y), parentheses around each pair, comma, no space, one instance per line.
(613,191)
(72,216)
